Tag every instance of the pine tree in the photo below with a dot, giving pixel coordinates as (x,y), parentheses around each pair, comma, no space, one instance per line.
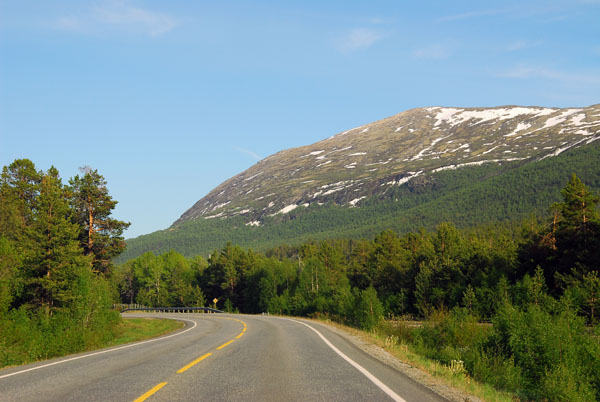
(578,230)
(101,236)
(56,261)
(19,188)
(11,283)
(578,208)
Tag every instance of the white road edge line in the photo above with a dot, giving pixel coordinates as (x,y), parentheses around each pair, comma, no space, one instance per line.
(357,366)
(103,351)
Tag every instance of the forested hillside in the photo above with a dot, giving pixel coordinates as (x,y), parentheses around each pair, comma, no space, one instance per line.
(502,194)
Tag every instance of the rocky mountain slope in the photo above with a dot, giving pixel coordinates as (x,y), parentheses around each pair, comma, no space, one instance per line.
(404,149)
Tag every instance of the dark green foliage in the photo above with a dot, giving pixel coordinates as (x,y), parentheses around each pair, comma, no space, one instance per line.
(50,301)
(100,235)
(19,188)
(11,283)
(27,336)
(367,311)
(167,280)
(55,262)
(565,248)
(468,197)
(557,356)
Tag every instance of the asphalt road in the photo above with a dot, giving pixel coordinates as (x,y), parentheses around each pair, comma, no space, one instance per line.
(218,357)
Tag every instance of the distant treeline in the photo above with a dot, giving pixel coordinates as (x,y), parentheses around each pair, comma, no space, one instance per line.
(411,274)
(504,194)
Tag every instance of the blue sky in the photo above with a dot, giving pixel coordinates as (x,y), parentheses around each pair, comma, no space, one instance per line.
(167,99)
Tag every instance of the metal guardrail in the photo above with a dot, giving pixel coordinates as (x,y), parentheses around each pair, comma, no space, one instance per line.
(173,309)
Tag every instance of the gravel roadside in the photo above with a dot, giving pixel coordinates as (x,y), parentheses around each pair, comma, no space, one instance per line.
(434,384)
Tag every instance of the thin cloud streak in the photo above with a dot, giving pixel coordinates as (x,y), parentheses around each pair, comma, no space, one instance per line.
(118,14)
(523,44)
(471,14)
(358,39)
(122,13)
(432,52)
(252,154)
(568,78)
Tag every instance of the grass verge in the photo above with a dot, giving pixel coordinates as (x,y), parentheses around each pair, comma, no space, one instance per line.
(456,379)
(139,329)
(28,341)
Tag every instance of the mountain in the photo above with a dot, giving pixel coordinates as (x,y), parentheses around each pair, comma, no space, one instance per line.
(366,160)
(417,168)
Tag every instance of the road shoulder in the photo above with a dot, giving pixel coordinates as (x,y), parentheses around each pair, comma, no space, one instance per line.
(434,384)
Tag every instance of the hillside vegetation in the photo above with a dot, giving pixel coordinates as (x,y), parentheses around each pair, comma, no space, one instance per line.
(489,194)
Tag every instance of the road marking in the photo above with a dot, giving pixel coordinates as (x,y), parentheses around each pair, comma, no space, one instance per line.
(360,368)
(104,351)
(225,344)
(151,392)
(237,337)
(198,360)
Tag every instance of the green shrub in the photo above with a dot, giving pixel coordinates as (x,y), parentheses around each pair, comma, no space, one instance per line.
(557,354)
(448,336)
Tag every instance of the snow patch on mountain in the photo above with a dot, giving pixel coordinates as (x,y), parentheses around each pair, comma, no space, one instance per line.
(286,209)
(406,179)
(453,116)
(356,200)
(520,127)
(476,163)
(561,118)
(577,119)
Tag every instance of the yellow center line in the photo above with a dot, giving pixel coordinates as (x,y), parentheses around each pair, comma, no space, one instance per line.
(198,360)
(151,392)
(225,344)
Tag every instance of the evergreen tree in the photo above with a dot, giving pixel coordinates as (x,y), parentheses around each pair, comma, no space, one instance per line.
(101,236)
(578,208)
(578,230)
(19,188)
(56,261)
(11,284)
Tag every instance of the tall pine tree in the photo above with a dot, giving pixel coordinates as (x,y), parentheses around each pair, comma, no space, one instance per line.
(101,236)
(56,261)
(19,188)
(578,229)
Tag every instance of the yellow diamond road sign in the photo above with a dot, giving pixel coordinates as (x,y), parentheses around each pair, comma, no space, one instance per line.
(215,300)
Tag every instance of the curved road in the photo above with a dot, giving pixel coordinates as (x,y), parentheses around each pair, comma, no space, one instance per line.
(218,357)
